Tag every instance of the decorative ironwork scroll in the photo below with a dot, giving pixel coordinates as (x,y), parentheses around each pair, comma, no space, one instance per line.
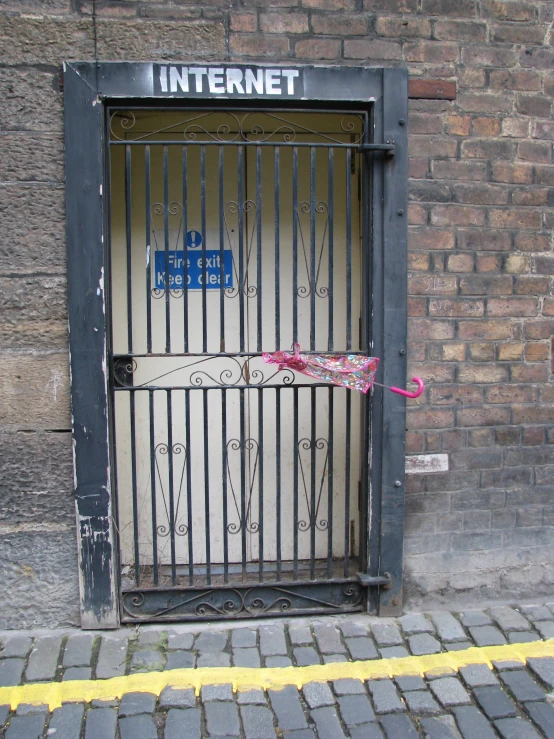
(173,525)
(308,445)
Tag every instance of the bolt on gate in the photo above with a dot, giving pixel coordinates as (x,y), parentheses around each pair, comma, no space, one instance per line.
(241,490)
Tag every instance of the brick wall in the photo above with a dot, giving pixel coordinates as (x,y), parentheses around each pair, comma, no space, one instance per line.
(481,238)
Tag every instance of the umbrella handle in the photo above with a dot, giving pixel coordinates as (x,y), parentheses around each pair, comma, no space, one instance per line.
(420,388)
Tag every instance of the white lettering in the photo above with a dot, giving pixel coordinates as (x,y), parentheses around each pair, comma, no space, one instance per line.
(179,79)
(256,82)
(271,80)
(234,79)
(290,74)
(215,80)
(163,78)
(198,72)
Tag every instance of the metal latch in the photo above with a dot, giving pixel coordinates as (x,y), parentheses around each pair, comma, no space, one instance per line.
(384,580)
(387,148)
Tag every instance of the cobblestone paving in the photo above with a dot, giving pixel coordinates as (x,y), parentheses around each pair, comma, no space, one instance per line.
(512,701)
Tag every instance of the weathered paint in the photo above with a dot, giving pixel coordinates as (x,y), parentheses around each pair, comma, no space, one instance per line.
(84,691)
(425,463)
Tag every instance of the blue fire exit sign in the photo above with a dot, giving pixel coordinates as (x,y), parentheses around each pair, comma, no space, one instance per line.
(201,268)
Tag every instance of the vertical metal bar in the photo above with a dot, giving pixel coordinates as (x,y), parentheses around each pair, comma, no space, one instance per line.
(312,248)
(348,250)
(278,477)
(277,248)
(128,237)
(259,247)
(166,248)
(240,214)
(295,245)
(313,460)
(347,486)
(331,200)
(207,487)
(261,484)
(134,487)
(295,483)
(172,521)
(224,484)
(203,228)
(189,487)
(148,228)
(221,255)
(153,486)
(330,468)
(243,519)
(184,168)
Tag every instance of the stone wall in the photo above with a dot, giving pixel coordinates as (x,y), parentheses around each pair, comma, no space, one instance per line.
(481,238)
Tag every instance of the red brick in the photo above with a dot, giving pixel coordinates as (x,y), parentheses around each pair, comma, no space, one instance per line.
(510,352)
(414,442)
(458,170)
(533,242)
(434,372)
(245,22)
(454,352)
(541,329)
(480,194)
(459,263)
(453,440)
(504,79)
(457,215)
(456,308)
(512,307)
(533,437)
(510,394)
(334,5)
(264,46)
(374,49)
(537,58)
(458,125)
(317,49)
(430,419)
(508,11)
(536,196)
(433,146)
(473,31)
(487,263)
(532,285)
(533,413)
(339,25)
(425,123)
(485,329)
(486,126)
(431,285)
(535,151)
(544,130)
(486,56)
(455,395)
(544,174)
(284,22)
(534,105)
(487,149)
(430,238)
(485,102)
(472,79)
(518,173)
(548,307)
(529,372)
(546,394)
(537,351)
(417,215)
(508,436)
(418,168)
(484,239)
(431,52)
(479,438)
(455,8)
(409,27)
(515,128)
(483,416)
(517,218)
(392,6)
(507,33)
(431,329)
(418,261)
(481,351)
(484,285)
(417,306)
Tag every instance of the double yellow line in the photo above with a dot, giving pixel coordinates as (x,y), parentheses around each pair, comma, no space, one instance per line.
(83,691)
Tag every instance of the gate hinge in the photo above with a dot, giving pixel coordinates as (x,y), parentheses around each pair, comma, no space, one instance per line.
(387,148)
(368,581)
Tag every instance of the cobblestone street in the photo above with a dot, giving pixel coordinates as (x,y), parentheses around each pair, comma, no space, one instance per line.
(449,695)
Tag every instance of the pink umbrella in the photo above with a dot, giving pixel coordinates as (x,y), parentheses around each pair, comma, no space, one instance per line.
(346,370)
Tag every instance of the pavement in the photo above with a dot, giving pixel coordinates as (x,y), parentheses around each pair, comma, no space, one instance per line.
(477,674)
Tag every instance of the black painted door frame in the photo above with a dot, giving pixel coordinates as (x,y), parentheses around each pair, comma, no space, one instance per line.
(88,88)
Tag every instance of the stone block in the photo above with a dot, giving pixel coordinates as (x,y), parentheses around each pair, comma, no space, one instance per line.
(133,704)
(179,660)
(327,723)
(26,378)
(472,723)
(138,727)
(112,657)
(156,40)
(179,641)
(39,570)
(183,724)
(78,650)
(222,719)
(33,313)
(26,726)
(175,698)
(67,720)
(31,158)
(450,691)
(494,702)
(286,706)
(317,695)
(45,40)
(257,722)
(31,101)
(32,238)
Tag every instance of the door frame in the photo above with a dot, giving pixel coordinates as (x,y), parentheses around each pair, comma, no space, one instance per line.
(88,88)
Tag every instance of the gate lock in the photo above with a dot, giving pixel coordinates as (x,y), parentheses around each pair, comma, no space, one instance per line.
(367,581)
(387,149)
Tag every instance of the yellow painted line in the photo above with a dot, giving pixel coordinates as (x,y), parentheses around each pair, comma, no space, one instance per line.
(84,691)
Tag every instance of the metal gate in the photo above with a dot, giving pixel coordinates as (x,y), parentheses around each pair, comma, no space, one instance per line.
(234,232)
